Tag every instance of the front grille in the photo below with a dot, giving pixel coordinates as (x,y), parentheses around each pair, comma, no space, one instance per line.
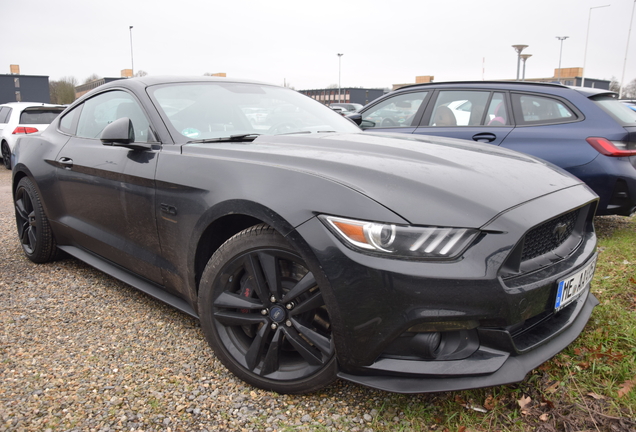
(549,236)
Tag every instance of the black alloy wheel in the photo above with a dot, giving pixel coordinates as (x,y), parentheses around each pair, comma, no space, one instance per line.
(264,315)
(6,155)
(33,226)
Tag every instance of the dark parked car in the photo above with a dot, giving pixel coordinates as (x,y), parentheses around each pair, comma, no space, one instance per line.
(350,107)
(308,249)
(588,132)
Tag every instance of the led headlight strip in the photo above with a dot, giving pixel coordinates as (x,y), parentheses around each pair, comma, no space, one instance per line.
(401,241)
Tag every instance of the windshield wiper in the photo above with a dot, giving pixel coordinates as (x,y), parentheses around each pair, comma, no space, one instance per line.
(232,138)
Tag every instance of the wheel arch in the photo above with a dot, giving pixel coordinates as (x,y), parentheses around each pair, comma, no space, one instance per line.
(225,220)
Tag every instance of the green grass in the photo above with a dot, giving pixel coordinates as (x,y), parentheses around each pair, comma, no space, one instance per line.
(576,390)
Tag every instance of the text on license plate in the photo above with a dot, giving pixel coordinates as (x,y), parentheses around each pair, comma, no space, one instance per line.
(570,287)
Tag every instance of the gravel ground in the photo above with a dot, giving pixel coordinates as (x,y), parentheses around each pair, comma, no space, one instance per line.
(81,351)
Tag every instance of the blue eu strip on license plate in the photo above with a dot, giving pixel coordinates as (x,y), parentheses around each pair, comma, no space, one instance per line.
(572,286)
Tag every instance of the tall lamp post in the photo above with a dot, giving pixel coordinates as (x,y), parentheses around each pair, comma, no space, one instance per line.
(519,48)
(524,57)
(339,70)
(620,91)
(587,36)
(561,38)
(132,62)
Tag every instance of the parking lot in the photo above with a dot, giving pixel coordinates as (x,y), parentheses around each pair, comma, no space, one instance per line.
(81,351)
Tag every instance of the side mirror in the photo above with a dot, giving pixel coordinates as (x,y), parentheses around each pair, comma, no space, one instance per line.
(356,118)
(120,131)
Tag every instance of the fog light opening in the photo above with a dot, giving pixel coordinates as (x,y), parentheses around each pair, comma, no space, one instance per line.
(427,345)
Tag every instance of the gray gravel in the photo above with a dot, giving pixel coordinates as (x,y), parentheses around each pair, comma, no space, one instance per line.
(81,351)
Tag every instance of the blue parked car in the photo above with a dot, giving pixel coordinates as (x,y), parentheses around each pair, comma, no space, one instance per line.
(586,131)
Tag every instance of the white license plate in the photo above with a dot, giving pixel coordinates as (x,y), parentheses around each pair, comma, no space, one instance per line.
(572,286)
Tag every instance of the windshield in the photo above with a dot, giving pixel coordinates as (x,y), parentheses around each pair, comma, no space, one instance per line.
(200,111)
(618,110)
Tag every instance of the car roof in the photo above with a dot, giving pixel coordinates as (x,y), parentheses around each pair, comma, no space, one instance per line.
(140,83)
(30,104)
(510,85)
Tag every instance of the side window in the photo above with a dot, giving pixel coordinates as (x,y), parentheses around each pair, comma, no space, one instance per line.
(105,108)
(67,123)
(536,109)
(459,108)
(497,111)
(398,111)
(5,114)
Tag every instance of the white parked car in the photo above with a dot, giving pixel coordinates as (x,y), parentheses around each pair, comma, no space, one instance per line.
(18,118)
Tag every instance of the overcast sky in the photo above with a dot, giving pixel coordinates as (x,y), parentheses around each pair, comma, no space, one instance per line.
(383,42)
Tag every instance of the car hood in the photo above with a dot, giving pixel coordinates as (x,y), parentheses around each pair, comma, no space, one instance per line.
(424,179)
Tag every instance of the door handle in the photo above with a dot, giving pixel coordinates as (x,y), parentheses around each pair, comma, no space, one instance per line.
(67,163)
(484,137)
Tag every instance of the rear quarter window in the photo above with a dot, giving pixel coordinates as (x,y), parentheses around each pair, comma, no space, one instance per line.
(5,114)
(532,109)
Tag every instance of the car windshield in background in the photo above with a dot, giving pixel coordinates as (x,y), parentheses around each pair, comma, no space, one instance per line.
(201,111)
(618,110)
(39,116)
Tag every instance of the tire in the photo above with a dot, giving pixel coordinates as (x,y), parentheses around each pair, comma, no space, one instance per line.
(33,226)
(263,314)
(6,155)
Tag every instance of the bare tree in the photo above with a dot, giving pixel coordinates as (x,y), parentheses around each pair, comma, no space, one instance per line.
(615,86)
(141,73)
(63,90)
(91,78)
(332,86)
(629,91)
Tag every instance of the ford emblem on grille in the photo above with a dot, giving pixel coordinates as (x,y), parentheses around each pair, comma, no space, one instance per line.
(560,232)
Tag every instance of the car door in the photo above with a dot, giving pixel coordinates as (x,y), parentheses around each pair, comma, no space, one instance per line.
(477,115)
(109,191)
(399,113)
(549,127)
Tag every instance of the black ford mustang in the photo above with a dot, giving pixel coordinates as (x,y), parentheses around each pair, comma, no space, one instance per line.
(308,249)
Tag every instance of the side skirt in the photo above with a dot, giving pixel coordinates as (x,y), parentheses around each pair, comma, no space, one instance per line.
(130,279)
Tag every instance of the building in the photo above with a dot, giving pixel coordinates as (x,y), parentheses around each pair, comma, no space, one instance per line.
(85,88)
(24,88)
(422,79)
(348,95)
(573,77)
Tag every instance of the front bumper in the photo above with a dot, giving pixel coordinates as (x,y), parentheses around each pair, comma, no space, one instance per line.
(501,328)
(428,377)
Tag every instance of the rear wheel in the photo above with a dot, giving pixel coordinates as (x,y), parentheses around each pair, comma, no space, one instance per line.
(263,313)
(33,226)
(6,155)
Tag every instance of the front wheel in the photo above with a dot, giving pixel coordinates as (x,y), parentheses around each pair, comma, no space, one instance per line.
(33,226)
(263,313)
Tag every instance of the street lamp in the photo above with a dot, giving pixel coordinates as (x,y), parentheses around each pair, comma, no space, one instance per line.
(524,57)
(620,90)
(561,38)
(519,48)
(339,70)
(587,35)
(132,62)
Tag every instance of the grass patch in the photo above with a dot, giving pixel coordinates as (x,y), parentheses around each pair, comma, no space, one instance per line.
(589,386)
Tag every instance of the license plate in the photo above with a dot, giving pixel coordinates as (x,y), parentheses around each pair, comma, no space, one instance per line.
(572,286)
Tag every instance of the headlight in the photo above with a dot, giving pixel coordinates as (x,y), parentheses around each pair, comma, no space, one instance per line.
(401,241)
